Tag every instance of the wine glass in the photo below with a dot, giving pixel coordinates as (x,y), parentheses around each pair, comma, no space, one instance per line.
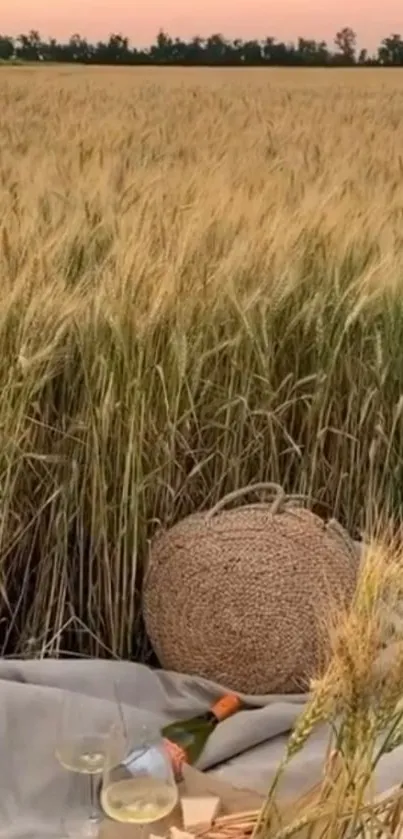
(89,735)
(141,789)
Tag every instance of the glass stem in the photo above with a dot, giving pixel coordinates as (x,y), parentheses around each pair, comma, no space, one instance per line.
(94,815)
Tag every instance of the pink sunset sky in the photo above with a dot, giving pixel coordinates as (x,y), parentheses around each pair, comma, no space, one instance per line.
(141,19)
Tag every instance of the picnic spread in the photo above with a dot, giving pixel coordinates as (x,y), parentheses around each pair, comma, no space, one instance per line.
(243,751)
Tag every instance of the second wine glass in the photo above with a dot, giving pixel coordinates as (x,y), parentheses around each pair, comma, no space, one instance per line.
(141,788)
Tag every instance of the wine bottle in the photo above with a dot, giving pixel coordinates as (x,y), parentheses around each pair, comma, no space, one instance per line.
(186,739)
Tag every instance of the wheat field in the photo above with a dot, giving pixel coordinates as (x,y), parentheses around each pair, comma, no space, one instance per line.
(201,287)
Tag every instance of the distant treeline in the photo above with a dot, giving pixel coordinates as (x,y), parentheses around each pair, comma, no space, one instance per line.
(214,51)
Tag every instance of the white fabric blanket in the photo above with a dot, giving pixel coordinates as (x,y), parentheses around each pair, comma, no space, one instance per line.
(243,750)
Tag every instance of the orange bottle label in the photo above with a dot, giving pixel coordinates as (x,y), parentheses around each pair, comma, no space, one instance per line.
(177,757)
(226,706)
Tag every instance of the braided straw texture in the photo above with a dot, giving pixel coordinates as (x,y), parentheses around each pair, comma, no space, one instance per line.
(234,595)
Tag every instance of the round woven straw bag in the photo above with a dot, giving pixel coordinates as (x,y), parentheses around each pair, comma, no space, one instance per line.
(236,595)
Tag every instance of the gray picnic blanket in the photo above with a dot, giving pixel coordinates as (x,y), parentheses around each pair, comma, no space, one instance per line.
(36,793)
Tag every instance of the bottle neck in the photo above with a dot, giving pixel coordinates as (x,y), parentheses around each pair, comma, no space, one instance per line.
(212,717)
(209,716)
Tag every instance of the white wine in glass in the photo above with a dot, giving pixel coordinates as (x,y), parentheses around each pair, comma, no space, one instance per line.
(85,753)
(141,789)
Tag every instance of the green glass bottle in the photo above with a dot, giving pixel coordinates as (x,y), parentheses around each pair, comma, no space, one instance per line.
(186,739)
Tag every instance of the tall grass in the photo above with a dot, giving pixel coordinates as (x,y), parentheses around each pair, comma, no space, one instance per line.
(201,286)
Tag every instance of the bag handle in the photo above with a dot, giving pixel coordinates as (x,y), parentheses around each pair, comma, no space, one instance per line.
(279,498)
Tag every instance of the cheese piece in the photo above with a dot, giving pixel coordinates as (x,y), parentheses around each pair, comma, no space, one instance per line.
(199,812)
(176,833)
